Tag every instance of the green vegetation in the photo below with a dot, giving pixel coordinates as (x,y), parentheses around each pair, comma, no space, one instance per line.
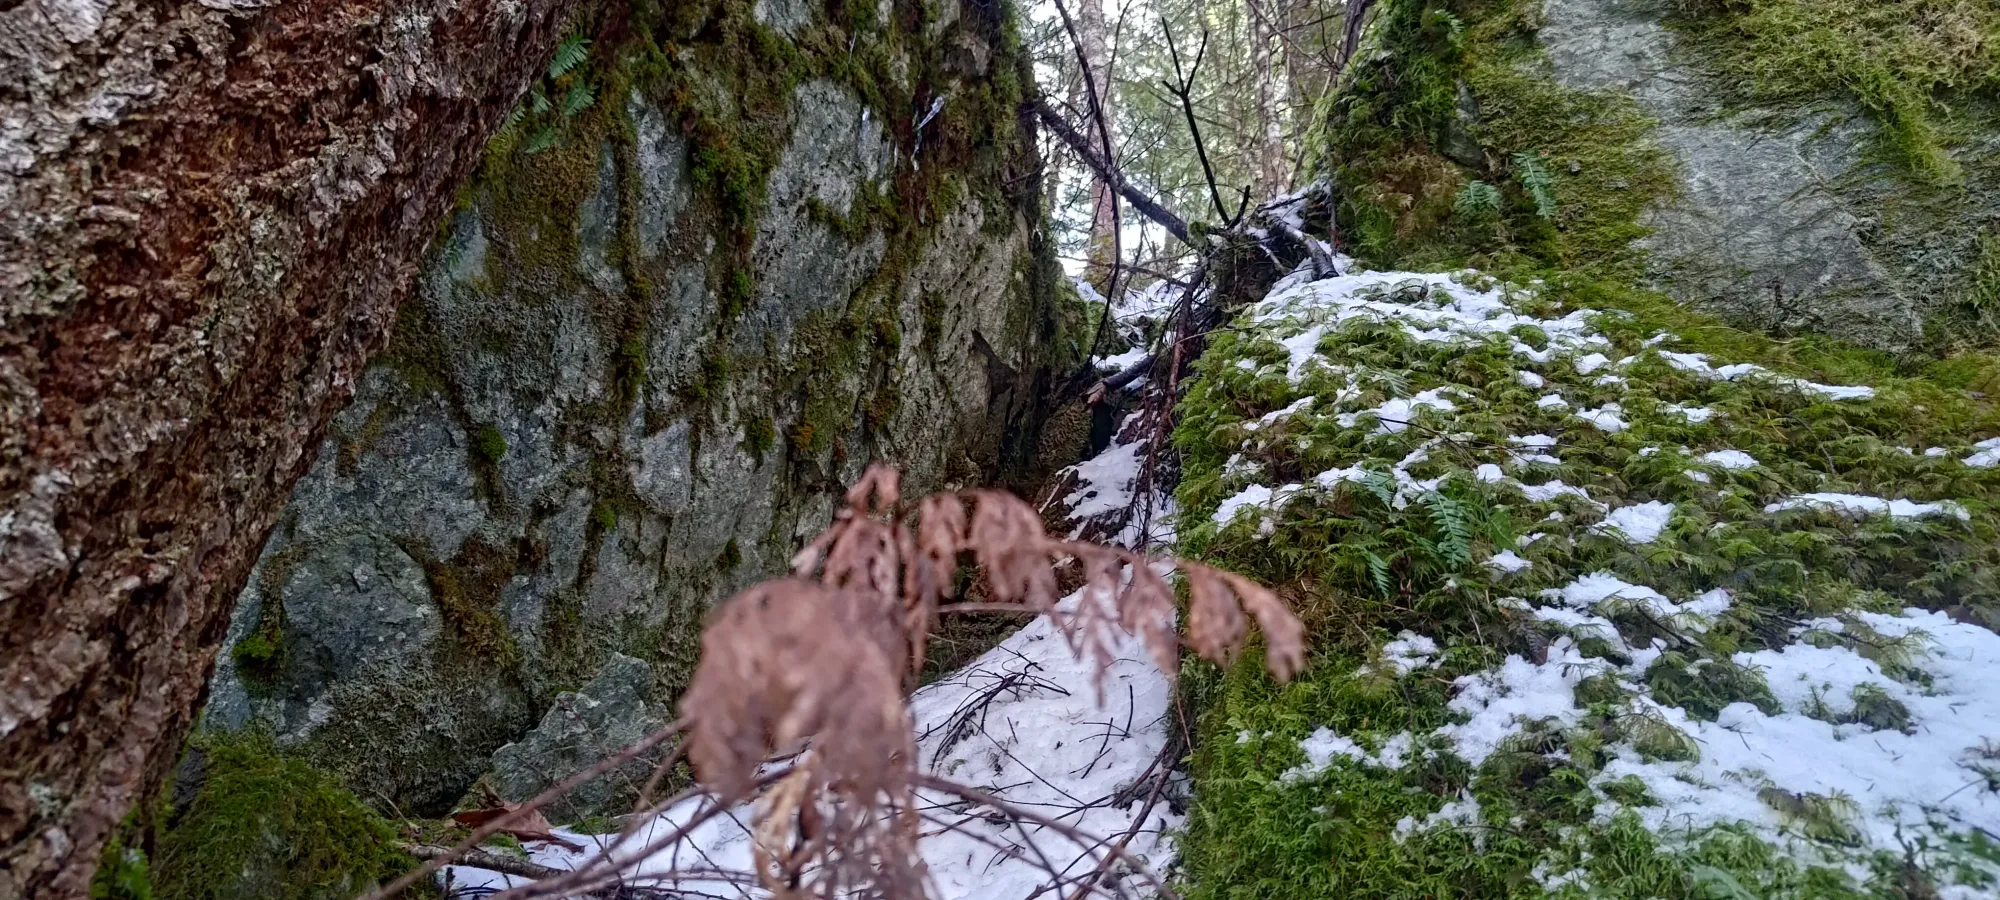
(1372,556)
(263,826)
(259,657)
(1908,62)
(1530,173)
(123,873)
(489,444)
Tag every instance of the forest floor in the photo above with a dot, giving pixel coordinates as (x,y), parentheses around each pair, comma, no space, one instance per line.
(1607,600)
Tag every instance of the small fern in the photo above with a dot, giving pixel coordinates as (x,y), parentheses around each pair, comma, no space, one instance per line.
(581,95)
(1378,571)
(1455,521)
(1477,199)
(1382,486)
(544,138)
(574,51)
(1535,179)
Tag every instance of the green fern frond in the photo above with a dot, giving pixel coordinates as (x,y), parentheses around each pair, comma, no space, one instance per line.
(514,117)
(572,52)
(1535,179)
(1382,486)
(1378,570)
(1455,522)
(581,95)
(538,102)
(1476,199)
(543,139)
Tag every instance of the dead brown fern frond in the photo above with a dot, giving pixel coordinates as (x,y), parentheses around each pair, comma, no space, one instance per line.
(812,665)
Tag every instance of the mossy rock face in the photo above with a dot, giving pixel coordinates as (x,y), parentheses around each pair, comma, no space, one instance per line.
(703,278)
(1795,165)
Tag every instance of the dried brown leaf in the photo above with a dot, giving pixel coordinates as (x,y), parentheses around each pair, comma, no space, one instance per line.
(1215,623)
(1284,634)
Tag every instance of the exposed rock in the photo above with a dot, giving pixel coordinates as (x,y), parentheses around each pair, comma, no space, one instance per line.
(1784,220)
(640,369)
(580,730)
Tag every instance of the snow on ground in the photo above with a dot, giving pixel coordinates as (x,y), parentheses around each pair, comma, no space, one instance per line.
(1924,769)
(1028,722)
(1639,524)
(1024,723)
(1857,505)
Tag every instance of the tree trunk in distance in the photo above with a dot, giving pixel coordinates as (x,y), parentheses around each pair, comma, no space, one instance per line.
(208,214)
(1092,34)
(1269,140)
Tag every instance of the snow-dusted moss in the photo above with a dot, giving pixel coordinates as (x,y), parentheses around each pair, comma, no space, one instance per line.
(1608,599)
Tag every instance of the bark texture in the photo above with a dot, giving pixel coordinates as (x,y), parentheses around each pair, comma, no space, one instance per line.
(1093,37)
(208,214)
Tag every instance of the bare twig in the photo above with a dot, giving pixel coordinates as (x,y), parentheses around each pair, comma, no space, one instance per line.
(1182,87)
(500,823)
(1110,157)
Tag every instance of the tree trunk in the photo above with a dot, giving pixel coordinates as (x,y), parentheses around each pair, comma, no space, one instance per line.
(208,214)
(1269,140)
(1092,35)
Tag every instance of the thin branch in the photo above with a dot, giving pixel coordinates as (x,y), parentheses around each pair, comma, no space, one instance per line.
(1080,145)
(1077,835)
(537,802)
(1098,115)
(1182,88)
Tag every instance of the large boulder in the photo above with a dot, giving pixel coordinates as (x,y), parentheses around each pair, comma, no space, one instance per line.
(689,297)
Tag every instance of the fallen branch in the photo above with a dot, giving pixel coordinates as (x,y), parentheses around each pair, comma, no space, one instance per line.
(1080,145)
(521,868)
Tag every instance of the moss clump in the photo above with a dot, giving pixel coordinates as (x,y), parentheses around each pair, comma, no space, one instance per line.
(730,557)
(259,658)
(603,517)
(758,437)
(490,445)
(466,589)
(263,826)
(122,874)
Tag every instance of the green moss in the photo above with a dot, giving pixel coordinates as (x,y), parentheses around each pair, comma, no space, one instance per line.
(466,589)
(603,516)
(259,658)
(122,873)
(1541,174)
(268,827)
(737,293)
(758,437)
(1906,61)
(490,445)
(731,556)
(1359,568)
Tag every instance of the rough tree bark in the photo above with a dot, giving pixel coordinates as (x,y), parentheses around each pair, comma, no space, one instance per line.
(1092,37)
(209,210)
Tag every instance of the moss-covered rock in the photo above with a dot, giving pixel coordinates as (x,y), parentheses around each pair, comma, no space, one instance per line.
(248,823)
(709,270)
(1794,164)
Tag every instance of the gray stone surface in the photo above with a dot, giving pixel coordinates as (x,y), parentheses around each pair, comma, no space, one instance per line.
(437,596)
(580,730)
(837,151)
(1782,218)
